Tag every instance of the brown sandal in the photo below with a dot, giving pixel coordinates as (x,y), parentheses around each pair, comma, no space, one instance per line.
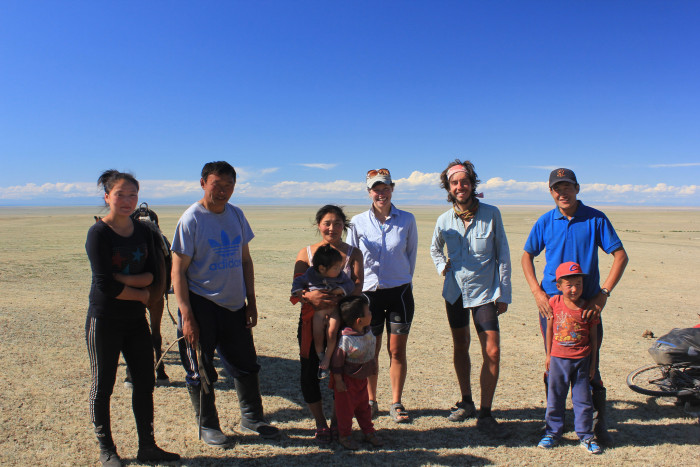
(374,440)
(348,443)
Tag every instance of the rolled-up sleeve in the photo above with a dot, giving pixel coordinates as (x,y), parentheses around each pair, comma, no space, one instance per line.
(503,258)
(412,244)
(437,248)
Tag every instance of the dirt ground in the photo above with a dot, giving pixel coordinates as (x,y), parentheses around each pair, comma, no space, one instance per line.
(45,279)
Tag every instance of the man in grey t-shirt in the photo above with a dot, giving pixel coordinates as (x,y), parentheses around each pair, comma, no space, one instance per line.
(213,279)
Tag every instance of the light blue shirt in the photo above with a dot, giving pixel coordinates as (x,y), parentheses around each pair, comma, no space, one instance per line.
(388,250)
(479,257)
(214,241)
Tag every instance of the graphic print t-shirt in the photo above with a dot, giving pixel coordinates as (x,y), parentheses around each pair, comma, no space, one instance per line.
(214,242)
(570,333)
(111,253)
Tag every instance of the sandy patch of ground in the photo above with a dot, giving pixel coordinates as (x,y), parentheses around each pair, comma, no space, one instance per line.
(45,278)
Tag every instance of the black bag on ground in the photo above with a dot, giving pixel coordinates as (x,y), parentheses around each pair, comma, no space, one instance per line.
(681,345)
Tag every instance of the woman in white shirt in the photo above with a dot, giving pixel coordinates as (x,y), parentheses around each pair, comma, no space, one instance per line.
(388,239)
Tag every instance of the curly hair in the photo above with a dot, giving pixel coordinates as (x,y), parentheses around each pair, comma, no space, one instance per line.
(471,174)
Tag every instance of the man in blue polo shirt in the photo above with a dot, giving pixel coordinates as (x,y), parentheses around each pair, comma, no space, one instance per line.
(574,232)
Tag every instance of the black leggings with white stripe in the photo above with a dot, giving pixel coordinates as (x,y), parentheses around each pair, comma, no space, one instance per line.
(106,338)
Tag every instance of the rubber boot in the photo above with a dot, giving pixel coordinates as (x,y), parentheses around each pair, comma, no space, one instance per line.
(108,452)
(206,416)
(109,457)
(250,401)
(600,426)
(161,375)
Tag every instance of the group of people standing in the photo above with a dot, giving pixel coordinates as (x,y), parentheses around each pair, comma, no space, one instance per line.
(356,288)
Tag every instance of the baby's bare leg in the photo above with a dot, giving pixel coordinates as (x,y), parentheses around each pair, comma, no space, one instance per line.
(319,329)
(331,338)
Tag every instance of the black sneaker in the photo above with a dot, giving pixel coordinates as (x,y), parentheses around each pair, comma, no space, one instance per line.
(110,458)
(155,454)
(462,411)
(489,425)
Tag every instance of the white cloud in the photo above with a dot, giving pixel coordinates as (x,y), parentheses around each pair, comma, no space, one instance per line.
(159,189)
(658,189)
(684,164)
(418,180)
(269,170)
(319,166)
(49,190)
(418,186)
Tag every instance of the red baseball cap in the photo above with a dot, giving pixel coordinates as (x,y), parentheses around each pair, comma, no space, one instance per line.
(569,269)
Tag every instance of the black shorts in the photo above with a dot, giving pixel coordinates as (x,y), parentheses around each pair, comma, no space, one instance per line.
(392,308)
(485,316)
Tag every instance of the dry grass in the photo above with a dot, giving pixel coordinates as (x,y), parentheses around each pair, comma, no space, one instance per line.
(45,278)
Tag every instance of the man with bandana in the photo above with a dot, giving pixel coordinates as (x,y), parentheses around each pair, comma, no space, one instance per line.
(476,267)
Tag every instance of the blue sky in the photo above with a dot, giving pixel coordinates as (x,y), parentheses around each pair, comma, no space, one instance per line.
(303,97)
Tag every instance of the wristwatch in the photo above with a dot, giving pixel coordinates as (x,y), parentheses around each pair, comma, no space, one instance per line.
(605,292)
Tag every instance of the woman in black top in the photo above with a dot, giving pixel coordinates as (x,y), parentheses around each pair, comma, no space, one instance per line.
(122,261)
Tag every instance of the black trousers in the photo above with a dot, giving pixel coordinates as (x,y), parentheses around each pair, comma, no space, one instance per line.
(106,339)
(223,331)
(310,389)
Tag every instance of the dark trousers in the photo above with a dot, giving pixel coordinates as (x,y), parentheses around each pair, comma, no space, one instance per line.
(353,401)
(105,339)
(310,388)
(223,331)
(565,372)
(597,382)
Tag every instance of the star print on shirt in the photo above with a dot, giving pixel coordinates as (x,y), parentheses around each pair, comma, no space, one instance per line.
(118,259)
(137,255)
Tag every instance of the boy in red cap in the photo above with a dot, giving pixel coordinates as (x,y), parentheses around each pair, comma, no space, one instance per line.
(570,361)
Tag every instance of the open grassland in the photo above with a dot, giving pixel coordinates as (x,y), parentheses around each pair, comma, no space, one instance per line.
(45,279)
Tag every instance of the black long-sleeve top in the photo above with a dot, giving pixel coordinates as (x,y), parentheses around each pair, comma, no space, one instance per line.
(111,253)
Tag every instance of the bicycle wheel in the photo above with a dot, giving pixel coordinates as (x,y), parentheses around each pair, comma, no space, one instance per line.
(651,380)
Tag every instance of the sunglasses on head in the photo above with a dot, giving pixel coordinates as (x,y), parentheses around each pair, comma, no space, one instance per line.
(374,173)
